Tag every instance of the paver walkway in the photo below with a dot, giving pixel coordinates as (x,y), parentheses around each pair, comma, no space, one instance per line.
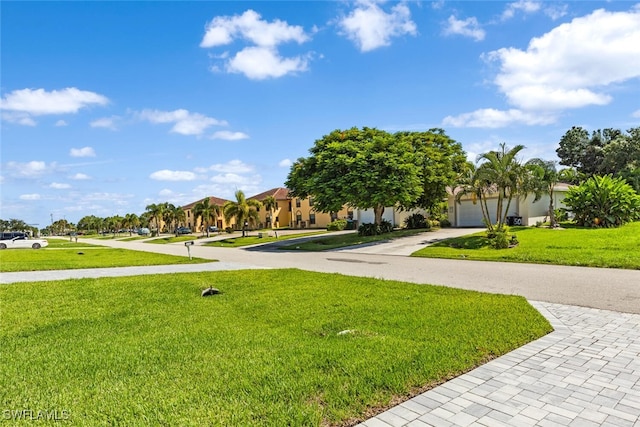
(585,373)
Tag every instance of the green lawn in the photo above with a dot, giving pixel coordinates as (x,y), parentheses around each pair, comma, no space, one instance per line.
(592,247)
(173,239)
(349,239)
(254,239)
(63,255)
(268,351)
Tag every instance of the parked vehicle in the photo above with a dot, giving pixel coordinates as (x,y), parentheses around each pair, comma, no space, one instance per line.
(8,235)
(23,243)
(213,229)
(144,231)
(183,230)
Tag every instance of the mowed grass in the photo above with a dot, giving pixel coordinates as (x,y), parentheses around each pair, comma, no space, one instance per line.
(64,255)
(347,239)
(254,239)
(592,247)
(268,351)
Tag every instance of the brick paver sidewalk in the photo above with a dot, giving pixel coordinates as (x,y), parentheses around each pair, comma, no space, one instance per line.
(585,373)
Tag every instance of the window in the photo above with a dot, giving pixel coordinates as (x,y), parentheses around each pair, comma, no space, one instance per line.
(310,201)
(297,203)
(188,214)
(350,215)
(289,206)
(312,218)
(298,217)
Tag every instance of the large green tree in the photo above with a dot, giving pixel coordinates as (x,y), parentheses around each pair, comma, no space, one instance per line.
(243,210)
(439,160)
(606,151)
(364,168)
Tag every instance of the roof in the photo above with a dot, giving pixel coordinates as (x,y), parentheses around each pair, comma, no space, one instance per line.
(278,193)
(212,200)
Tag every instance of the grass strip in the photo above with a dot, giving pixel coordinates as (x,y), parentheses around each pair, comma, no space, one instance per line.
(64,255)
(277,347)
(235,242)
(590,247)
(348,239)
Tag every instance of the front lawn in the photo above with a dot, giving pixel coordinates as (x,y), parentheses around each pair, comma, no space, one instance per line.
(591,247)
(348,239)
(276,348)
(267,237)
(64,255)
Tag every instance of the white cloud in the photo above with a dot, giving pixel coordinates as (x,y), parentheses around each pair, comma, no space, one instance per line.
(59,186)
(18,118)
(40,102)
(261,59)
(223,30)
(491,118)
(468,28)
(61,123)
(259,63)
(370,27)
(168,175)
(82,152)
(185,122)
(166,192)
(524,6)
(233,166)
(80,177)
(556,11)
(105,122)
(229,136)
(572,65)
(285,163)
(30,169)
(230,178)
(33,196)
(636,114)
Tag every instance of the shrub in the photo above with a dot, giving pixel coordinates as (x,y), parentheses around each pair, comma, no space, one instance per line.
(434,223)
(337,225)
(375,229)
(415,221)
(603,201)
(229,230)
(445,223)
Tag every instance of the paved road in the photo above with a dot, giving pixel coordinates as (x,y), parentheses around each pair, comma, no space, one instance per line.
(610,289)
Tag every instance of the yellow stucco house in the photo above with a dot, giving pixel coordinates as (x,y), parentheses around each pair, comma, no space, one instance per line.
(289,212)
(195,224)
(293,212)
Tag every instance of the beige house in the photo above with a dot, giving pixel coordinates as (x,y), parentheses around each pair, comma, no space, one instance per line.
(195,224)
(525,211)
(294,212)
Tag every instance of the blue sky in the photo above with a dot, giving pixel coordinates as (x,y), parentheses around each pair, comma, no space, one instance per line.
(110,106)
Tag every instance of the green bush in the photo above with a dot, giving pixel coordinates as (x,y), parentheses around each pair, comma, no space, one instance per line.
(434,223)
(603,201)
(416,221)
(337,225)
(229,230)
(445,223)
(375,229)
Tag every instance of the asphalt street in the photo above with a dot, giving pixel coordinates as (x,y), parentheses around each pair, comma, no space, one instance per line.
(609,289)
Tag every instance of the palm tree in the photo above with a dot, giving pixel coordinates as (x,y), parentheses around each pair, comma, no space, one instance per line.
(179,216)
(155,212)
(502,169)
(270,204)
(244,211)
(471,181)
(131,221)
(205,210)
(167,215)
(545,177)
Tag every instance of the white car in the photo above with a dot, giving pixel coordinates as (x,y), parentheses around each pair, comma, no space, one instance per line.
(23,242)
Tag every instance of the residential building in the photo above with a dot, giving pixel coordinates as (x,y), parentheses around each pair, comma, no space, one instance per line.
(196,223)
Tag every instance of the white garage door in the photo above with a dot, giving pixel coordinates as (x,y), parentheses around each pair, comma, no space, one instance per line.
(470,215)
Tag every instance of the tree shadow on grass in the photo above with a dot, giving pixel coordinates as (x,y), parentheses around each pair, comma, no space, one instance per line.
(466,242)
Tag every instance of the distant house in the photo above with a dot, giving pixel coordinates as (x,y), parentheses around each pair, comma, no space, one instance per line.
(468,213)
(294,212)
(196,223)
